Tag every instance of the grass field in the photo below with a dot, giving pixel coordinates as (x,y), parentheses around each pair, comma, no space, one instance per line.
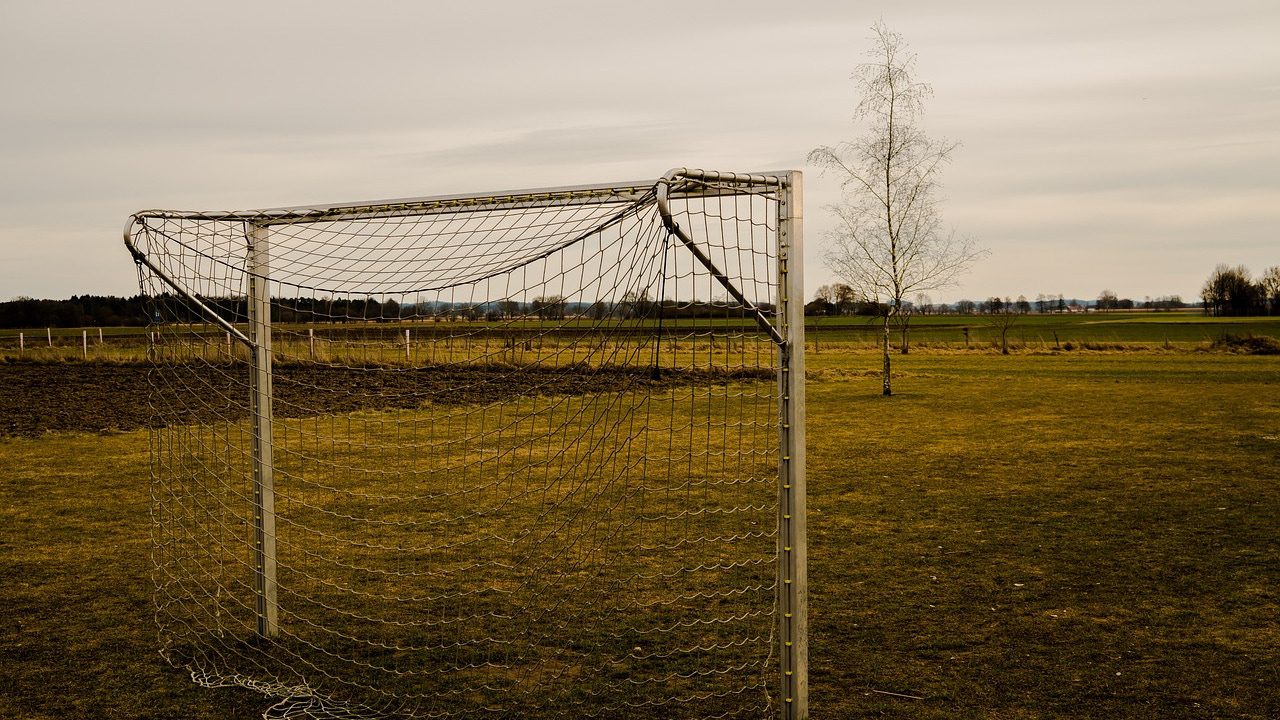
(383,342)
(1042,535)
(1181,329)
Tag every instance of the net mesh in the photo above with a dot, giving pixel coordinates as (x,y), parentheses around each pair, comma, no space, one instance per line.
(524,452)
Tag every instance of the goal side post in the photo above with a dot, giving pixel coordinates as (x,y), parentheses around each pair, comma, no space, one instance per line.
(264,504)
(793,576)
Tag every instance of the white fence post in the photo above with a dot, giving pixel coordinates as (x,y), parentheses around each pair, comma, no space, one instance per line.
(311,339)
(99,336)
(84,340)
(407,357)
(48,333)
(22,344)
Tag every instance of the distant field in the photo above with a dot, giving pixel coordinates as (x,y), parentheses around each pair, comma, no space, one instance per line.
(1035,332)
(1036,536)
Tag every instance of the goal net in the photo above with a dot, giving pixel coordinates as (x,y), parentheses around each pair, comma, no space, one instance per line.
(528,454)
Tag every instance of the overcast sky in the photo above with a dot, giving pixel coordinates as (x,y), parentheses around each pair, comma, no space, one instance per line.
(1129,146)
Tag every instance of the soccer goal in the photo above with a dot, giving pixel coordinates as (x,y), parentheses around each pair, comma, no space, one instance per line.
(528,454)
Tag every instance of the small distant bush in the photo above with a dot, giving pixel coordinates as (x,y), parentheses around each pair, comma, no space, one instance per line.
(1068,345)
(1248,344)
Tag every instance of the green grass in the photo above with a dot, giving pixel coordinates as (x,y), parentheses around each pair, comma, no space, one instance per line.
(1181,329)
(1074,535)
(1177,329)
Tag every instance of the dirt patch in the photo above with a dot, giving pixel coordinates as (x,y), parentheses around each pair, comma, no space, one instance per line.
(100,397)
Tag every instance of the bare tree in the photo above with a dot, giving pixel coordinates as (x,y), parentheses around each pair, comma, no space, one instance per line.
(598,310)
(889,241)
(549,307)
(1108,300)
(1230,291)
(1270,282)
(846,299)
(635,304)
(902,321)
(1004,314)
(509,308)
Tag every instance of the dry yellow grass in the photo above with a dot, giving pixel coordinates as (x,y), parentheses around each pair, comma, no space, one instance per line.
(1041,536)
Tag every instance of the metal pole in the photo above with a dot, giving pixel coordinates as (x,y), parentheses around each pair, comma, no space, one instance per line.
(793,586)
(264,503)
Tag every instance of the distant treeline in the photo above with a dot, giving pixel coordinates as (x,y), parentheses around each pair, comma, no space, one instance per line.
(839,299)
(1228,291)
(140,310)
(79,311)
(1232,291)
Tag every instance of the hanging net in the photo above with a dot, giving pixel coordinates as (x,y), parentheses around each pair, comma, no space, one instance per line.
(513,455)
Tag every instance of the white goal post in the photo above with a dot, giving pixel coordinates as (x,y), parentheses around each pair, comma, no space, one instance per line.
(534,453)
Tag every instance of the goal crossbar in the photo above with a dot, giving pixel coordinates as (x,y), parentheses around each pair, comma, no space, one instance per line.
(681,183)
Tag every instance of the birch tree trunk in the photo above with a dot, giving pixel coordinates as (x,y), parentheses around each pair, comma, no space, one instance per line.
(888,390)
